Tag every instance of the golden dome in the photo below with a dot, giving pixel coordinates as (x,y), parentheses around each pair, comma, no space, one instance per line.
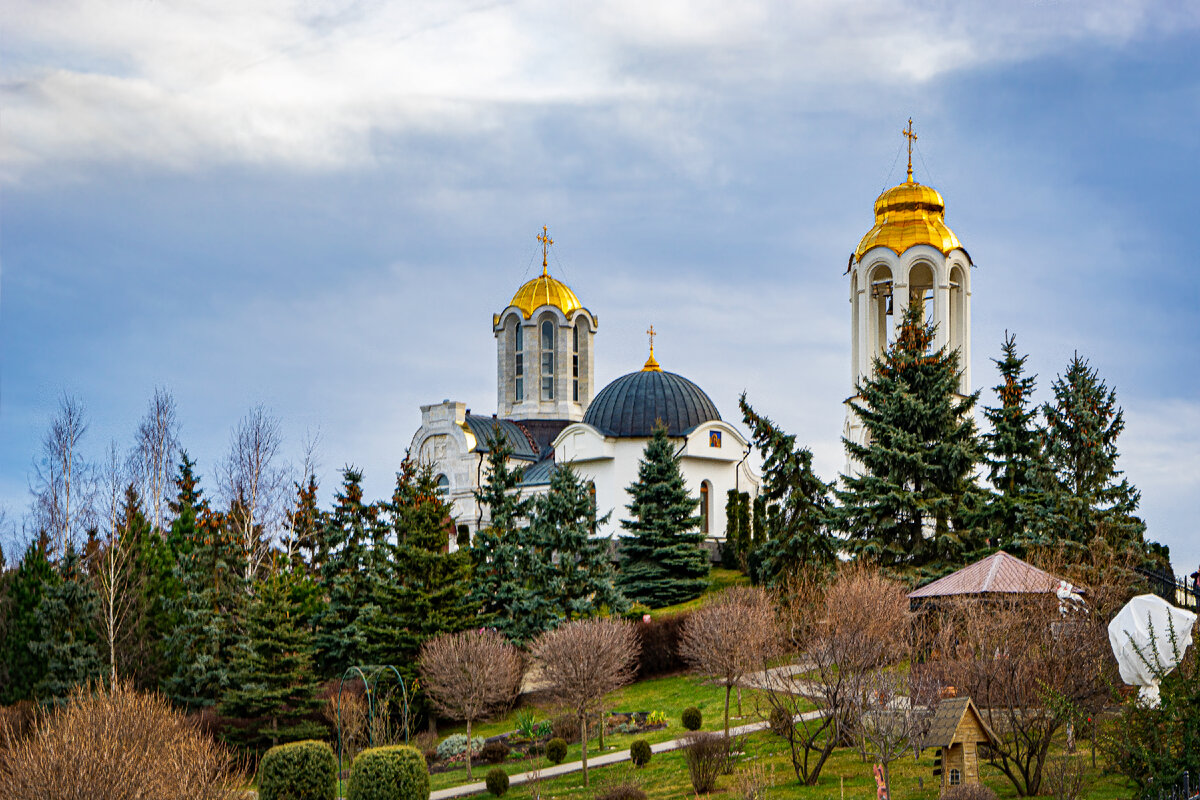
(908,215)
(545,291)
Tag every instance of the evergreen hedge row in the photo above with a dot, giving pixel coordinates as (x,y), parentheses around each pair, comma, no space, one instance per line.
(298,771)
(396,772)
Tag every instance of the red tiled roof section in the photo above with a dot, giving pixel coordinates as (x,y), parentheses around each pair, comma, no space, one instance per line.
(999,573)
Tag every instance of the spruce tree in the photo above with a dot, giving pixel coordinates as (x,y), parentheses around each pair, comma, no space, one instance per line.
(1015,515)
(66,638)
(304,525)
(663,562)
(581,579)
(795,509)
(26,585)
(272,677)
(155,594)
(209,572)
(510,568)
(1093,498)
(347,577)
(907,507)
(423,587)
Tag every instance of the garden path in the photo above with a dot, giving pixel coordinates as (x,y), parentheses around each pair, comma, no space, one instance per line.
(603,760)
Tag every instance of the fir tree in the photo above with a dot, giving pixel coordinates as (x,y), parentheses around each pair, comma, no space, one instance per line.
(25,667)
(907,508)
(155,596)
(582,580)
(795,507)
(423,588)
(1082,426)
(347,577)
(212,593)
(511,569)
(272,677)
(66,637)
(664,561)
(1015,514)
(304,525)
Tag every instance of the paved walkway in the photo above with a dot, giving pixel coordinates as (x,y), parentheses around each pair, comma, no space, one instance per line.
(555,770)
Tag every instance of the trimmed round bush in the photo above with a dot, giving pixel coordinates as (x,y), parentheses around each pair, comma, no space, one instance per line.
(497,781)
(640,752)
(691,718)
(389,773)
(298,771)
(781,722)
(556,751)
(494,752)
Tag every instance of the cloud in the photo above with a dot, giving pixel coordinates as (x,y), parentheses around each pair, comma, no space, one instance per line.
(318,86)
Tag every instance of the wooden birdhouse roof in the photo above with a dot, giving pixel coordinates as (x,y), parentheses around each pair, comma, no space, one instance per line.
(957,720)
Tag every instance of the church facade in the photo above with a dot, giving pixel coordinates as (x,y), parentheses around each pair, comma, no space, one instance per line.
(548,414)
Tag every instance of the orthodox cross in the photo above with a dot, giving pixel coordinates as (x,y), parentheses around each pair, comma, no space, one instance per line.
(544,236)
(650,333)
(912,137)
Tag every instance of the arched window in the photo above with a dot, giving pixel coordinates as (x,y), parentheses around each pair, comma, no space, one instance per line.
(548,360)
(575,363)
(955,777)
(443,485)
(705,499)
(519,364)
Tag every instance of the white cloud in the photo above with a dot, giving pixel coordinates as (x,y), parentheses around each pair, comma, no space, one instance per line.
(309,85)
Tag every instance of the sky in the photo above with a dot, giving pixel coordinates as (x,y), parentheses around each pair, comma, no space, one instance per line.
(317,205)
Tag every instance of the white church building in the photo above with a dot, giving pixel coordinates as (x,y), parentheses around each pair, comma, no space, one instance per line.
(547,413)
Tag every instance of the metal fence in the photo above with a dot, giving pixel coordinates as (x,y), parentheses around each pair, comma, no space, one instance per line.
(1186,789)
(1182,593)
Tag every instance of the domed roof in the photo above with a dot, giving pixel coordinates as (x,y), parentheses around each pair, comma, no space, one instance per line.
(908,215)
(545,291)
(632,404)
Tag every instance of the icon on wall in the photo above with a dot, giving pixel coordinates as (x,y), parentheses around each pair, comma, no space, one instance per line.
(714,438)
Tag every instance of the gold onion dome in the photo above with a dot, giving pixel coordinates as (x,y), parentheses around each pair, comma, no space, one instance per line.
(907,215)
(545,291)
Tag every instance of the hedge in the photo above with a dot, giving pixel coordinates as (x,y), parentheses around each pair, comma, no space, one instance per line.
(397,772)
(298,771)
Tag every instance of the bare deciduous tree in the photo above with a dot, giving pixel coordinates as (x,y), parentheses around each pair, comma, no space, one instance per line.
(254,484)
(471,675)
(732,634)
(891,714)
(112,560)
(584,660)
(62,480)
(154,451)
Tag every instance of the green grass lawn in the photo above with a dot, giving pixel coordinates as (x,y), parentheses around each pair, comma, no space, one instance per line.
(718,578)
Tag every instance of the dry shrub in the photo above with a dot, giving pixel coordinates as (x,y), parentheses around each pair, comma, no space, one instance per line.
(969,791)
(1065,778)
(752,781)
(353,721)
(16,721)
(118,745)
(869,614)
(706,755)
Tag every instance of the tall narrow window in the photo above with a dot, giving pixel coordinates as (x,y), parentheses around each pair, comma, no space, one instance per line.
(548,360)
(519,364)
(575,364)
(705,491)
(443,485)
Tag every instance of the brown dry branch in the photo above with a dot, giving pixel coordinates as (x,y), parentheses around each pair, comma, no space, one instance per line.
(118,744)
(730,636)
(584,660)
(471,675)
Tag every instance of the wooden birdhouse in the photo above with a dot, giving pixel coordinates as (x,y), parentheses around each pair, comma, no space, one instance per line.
(957,730)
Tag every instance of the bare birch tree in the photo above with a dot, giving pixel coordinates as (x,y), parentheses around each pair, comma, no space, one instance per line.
(254,484)
(730,635)
(112,559)
(154,451)
(62,479)
(584,660)
(471,675)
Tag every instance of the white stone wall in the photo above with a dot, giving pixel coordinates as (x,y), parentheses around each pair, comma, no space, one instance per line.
(444,442)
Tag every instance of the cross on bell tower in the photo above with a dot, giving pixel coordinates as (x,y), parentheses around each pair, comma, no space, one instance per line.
(912,137)
(544,236)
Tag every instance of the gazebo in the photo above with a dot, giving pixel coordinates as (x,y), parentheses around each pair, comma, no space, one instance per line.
(998,576)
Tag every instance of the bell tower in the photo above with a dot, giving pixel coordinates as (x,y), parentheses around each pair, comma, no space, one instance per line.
(544,342)
(909,255)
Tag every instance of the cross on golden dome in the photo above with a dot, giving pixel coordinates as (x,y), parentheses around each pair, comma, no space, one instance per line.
(912,137)
(651,364)
(544,238)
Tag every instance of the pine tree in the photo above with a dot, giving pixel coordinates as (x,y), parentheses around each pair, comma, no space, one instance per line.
(907,508)
(212,593)
(792,522)
(1015,514)
(664,561)
(346,577)
(424,588)
(66,637)
(272,677)
(1082,426)
(582,580)
(33,578)
(510,568)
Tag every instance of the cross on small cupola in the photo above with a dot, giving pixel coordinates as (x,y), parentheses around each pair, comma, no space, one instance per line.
(912,137)
(544,238)
(651,364)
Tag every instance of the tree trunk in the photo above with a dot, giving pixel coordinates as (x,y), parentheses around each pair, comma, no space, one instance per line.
(583,741)
(468,749)
(728,689)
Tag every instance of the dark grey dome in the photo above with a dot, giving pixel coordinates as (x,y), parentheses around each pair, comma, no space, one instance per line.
(630,405)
